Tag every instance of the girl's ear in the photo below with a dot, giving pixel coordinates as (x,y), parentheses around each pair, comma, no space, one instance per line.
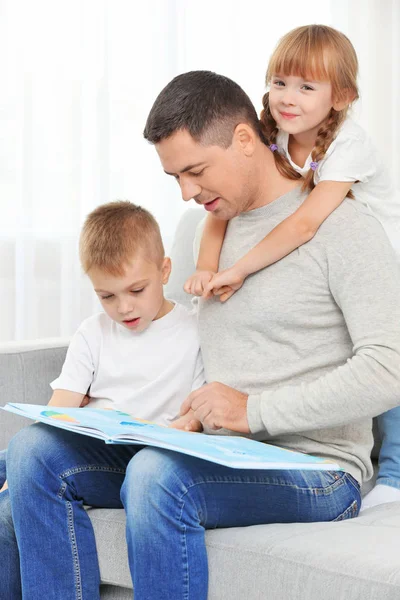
(245,138)
(346,97)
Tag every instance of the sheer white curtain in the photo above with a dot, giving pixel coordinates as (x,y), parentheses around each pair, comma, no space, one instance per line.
(78,80)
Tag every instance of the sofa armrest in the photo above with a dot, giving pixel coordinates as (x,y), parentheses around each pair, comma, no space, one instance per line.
(26,370)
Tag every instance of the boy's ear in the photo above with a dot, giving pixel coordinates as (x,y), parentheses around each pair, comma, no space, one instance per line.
(347,96)
(166,269)
(244,136)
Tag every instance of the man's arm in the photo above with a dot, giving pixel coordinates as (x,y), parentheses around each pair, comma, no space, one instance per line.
(364,279)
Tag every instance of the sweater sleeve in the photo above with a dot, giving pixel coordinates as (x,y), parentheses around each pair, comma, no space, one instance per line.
(364,280)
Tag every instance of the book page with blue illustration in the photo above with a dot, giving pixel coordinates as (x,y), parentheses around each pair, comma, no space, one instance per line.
(116,427)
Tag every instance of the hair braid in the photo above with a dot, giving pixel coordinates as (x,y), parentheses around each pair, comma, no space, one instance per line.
(325,137)
(269,131)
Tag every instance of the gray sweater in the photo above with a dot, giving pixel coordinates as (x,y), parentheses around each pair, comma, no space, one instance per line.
(315,338)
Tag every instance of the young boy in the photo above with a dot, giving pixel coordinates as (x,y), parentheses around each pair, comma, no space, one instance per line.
(142,354)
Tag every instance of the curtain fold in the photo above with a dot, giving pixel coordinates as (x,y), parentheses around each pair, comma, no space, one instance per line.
(78,80)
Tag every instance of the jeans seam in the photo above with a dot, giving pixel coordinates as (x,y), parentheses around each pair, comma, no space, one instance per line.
(85,468)
(72,539)
(185,558)
(350,480)
(319,490)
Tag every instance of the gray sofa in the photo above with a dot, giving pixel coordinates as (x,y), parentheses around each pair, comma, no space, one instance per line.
(358,559)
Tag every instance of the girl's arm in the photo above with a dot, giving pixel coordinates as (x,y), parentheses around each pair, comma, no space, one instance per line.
(208,259)
(294,231)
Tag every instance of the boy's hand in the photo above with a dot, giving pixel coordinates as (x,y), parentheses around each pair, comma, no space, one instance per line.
(197,282)
(224,284)
(188,422)
(5,486)
(85,401)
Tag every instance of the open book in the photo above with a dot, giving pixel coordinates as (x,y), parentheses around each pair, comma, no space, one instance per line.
(116,427)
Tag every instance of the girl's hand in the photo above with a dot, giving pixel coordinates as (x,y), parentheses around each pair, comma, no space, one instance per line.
(197,282)
(5,486)
(188,422)
(225,284)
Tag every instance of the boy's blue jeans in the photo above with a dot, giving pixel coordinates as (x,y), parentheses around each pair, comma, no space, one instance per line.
(170,499)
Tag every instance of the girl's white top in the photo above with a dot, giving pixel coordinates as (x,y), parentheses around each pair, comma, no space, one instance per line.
(352,156)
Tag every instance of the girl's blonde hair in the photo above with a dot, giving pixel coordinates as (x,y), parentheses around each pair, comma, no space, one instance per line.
(320,53)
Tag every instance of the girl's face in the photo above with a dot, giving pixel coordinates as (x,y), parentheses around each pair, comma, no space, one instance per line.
(299,106)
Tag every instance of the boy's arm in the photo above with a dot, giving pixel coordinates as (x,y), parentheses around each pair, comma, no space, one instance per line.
(294,231)
(208,259)
(66,398)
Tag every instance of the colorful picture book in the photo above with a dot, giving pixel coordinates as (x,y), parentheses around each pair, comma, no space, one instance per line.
(116,427)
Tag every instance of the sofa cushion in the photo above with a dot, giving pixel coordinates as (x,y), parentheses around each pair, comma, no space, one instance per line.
(352,559)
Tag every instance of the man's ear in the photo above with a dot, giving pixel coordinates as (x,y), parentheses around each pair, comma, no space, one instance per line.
(245,138)
(346,97)
(166,269)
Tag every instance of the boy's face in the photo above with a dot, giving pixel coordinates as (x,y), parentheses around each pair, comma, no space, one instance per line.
(136,298)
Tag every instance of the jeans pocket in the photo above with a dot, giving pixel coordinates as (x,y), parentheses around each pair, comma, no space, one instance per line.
(350,512)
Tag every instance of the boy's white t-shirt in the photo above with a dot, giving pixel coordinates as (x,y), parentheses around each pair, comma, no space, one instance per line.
(352,156)
(147,374)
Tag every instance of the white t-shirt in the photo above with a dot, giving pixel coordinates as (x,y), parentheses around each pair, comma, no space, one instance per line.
(147,374)
(352,156)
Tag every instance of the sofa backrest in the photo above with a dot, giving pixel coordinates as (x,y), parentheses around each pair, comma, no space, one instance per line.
(182,257)
(25,373)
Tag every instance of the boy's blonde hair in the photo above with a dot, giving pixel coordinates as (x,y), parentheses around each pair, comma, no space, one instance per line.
(113,233)
(315,52)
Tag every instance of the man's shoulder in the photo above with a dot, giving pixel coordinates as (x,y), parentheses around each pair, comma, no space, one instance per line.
(352,222)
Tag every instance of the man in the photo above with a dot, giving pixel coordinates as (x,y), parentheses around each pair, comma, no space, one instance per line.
(304,354)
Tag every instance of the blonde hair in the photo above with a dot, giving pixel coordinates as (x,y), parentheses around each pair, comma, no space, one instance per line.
(115,232)
(320,53)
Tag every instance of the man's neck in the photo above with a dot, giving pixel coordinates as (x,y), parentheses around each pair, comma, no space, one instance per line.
(269,184)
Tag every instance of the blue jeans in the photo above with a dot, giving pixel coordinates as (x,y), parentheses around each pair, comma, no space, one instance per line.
(170,500)
(10,581)
(389,456)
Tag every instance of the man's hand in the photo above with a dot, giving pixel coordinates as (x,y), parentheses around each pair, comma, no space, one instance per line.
(197,282)
(225,284)
(188,423)
(217,405)
(5,486)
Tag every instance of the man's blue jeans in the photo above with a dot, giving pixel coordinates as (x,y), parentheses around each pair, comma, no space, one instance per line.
(170,499)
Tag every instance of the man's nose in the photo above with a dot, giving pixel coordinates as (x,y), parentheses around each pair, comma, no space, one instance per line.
(189,189)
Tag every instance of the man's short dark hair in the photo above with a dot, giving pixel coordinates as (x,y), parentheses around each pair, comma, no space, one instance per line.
(209,106)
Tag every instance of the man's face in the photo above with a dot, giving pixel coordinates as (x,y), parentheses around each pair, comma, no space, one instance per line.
(136,298)
(214,177)
(298,105)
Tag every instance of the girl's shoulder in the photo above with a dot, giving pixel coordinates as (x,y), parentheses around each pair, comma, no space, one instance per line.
(351,130)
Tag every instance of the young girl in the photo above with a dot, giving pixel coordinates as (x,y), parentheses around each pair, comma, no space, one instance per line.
(312,76)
